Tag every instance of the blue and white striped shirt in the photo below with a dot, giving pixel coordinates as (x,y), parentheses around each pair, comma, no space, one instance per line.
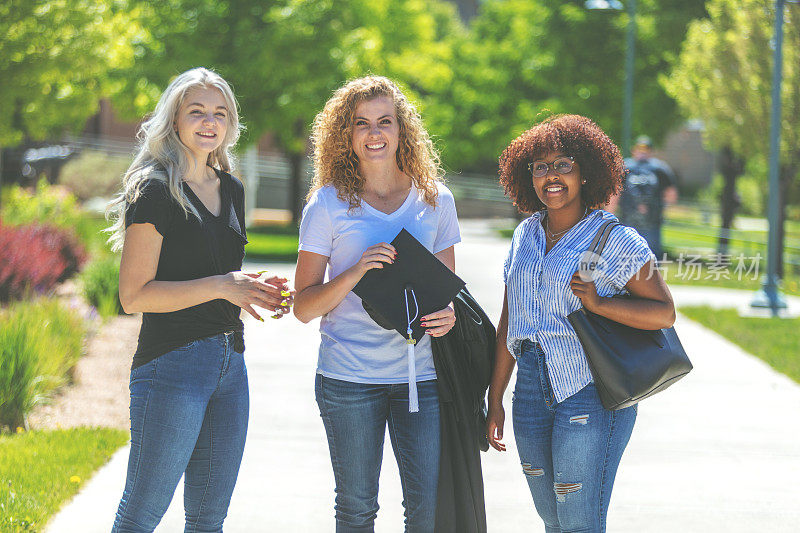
(540,298)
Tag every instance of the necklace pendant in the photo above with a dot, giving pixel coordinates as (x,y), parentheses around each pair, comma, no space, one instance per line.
(555,236)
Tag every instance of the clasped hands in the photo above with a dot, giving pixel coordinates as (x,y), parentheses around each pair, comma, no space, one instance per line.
(256,289)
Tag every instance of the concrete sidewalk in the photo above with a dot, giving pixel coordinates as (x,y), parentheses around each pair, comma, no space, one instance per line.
(717,452)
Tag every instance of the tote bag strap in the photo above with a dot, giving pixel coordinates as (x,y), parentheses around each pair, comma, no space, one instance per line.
(600,239)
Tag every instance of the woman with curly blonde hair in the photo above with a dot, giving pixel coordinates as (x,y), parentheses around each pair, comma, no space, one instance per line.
(376,172)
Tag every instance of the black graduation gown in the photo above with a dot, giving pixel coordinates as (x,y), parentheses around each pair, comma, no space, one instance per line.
(464,360)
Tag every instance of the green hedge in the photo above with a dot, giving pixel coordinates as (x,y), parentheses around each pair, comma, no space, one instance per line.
(94,174)
(40,342)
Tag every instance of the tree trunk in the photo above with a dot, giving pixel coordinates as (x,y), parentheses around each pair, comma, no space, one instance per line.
(296,186)
(298,177)
(731,168)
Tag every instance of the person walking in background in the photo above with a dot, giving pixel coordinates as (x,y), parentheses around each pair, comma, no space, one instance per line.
(569,446)
(375,172)
(179,222)
(649,185)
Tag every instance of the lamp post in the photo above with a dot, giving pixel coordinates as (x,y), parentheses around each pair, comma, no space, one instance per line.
(630,50)
(768,296)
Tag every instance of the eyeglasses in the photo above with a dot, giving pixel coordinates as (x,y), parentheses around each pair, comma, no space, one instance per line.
(562,165)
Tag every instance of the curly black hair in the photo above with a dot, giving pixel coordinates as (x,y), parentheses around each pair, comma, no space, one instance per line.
(598,158)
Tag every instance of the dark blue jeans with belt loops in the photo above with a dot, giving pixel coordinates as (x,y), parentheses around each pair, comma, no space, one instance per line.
(569,450)
(189,411)
(355,416)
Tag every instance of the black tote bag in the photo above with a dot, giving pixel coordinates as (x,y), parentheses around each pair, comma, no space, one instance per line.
(627,364)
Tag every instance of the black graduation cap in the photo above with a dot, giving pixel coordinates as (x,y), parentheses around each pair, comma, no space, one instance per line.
(416,284)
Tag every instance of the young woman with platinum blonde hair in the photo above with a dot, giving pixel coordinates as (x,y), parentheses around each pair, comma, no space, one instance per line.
(162,155)
(180,225)
(375,172)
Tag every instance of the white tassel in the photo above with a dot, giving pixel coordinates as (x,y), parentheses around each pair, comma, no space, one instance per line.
(413,398)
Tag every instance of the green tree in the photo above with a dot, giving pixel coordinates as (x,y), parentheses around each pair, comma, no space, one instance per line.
(314,46)
(177,35)
(54,60)
(284,58)
(723,76)
(526,58)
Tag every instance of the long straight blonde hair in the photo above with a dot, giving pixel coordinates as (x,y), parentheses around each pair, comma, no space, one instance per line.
(162,156)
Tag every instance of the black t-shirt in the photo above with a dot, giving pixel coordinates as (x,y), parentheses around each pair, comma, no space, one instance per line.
(191,249)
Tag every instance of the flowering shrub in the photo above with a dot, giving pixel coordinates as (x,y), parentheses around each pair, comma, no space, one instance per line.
(35,258)
(54,206)
(48,204)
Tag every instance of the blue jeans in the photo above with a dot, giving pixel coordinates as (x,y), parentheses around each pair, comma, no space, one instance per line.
(569,450)
(189,410)
(355,416)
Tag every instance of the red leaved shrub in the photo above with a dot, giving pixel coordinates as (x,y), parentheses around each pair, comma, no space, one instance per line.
(36,257)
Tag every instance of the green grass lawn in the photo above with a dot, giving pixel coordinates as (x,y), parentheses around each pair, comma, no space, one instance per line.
(705,240)
(702,242)
(272,244)
(694,214)
(268,243)
(701,277)
(41,470)
(774,340)
(701,239)
(698,246)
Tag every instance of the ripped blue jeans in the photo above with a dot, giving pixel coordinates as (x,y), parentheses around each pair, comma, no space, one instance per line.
(569,450)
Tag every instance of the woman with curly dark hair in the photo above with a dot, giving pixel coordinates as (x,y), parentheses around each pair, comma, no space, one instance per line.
(564,170)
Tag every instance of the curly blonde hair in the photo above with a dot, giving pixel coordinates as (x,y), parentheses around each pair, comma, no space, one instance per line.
(335,162)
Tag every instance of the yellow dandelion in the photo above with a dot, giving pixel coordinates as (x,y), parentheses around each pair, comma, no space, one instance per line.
(20,429)
(75,479)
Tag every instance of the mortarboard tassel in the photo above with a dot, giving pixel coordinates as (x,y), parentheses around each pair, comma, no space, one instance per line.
(413,398)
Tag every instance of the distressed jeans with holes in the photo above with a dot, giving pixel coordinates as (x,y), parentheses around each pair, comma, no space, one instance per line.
(189,411)
(355,416)
(569,450)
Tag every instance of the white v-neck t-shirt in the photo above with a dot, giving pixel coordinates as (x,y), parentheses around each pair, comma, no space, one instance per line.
(353,347)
